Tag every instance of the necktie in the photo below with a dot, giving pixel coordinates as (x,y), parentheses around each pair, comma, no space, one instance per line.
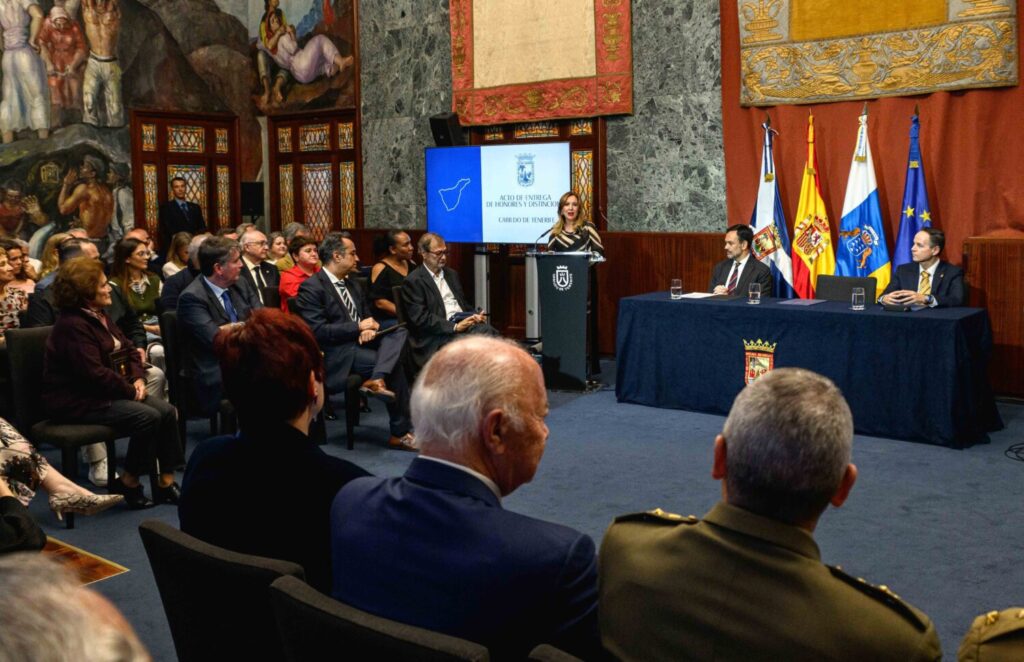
(184,208)
(925,285)
(229,307)
(346,298)
(260,283)
(733,276)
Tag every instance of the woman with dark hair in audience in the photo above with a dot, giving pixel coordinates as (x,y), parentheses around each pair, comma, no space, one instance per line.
(303,252)
(273,374)
(93,374)
(177,255)
(278,246)
(23,471)
(390,271)
(24,276)
(12,299)
(140,289)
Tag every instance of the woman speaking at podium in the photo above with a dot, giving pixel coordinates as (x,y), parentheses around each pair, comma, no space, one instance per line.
(571,234)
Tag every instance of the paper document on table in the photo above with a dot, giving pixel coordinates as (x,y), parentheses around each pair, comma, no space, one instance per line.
(800,302)
(697,295)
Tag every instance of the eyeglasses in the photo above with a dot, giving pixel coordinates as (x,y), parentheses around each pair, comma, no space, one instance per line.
(439,253)
(258,243)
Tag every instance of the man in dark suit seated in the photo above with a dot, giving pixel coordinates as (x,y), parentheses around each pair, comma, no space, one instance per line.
(338,313)
(927,281)
(435,549)
(211,302)
(262,276)
(176,284)
(747,581)
(740,268)
(436,309)
(178,215)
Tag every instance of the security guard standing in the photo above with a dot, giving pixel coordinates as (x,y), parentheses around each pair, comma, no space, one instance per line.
(746,582)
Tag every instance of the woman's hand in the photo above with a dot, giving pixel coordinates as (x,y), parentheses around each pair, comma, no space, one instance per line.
(140,389)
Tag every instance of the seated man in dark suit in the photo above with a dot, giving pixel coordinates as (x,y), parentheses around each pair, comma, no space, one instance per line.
(211,302)
(338,313)
(260,274)
(435,307)
(435,549)
(740,268)
(176,284)
(927,281)
(747,581)
(178,215)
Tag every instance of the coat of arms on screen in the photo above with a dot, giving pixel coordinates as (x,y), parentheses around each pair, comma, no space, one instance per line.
(524,169)
(759,359)
(562,279)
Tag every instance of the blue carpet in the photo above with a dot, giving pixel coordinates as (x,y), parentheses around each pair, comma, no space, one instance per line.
(935,525)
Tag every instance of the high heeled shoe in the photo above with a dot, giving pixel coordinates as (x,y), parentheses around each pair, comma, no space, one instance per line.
(82,504)
(134,497)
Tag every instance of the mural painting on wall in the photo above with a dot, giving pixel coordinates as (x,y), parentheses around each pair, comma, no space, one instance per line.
(303,54)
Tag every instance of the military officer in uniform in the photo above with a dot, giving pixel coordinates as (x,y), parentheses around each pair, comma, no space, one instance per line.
(997,636)
(747,582)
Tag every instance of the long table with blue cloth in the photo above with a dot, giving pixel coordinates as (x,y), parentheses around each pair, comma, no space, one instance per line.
(917,375)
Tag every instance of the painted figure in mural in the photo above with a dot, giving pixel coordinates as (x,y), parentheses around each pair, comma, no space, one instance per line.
(319,57)
(63,49)
(26,99)
(265,63)
(123,220)
(102,20)
(20,215)
(86,195)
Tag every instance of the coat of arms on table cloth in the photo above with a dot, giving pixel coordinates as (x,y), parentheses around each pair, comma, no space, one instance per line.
(759,359)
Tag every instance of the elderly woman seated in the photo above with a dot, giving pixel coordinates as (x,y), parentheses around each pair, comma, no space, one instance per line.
(93,374)
(273,375)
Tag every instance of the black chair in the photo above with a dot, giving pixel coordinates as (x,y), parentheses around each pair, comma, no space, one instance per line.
(217,601)
(179,386)
(25,350)
(310,623)
(840,288)
(548,653)
(352,384)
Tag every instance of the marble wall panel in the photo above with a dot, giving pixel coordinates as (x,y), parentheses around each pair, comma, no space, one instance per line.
(665,162)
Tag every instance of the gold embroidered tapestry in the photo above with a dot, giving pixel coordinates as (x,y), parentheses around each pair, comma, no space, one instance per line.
(531,60)
(812,51)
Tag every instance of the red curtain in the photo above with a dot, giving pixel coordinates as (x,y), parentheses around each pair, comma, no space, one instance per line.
(971,143)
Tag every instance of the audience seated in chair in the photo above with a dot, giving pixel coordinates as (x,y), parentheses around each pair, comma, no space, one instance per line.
(273,375)
(747,581)
(435,549)
(303,252)
(435,307)
(211,302)
(140,289)
(260,274)
(394,267)
(94,374)
(48,615)
(176,284)
(339,315)
(290,232)
(13,300)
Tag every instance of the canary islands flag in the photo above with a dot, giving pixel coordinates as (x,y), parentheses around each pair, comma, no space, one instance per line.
(862,248)
(771,239)
(916,212)
(812,236)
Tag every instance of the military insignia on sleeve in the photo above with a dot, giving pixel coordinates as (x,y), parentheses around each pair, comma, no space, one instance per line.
(883,595)
(658,516)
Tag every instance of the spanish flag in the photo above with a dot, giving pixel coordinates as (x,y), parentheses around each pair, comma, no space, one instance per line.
(812,238)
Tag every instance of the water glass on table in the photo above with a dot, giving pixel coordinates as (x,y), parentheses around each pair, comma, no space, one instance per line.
(754,293)
(675,289)
(857,298)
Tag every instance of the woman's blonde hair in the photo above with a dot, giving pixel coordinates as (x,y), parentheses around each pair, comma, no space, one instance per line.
(560,221)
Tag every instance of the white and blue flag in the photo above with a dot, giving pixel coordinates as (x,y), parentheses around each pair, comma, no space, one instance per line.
(771,239)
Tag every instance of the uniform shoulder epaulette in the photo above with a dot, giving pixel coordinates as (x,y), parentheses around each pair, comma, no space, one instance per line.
(657,516)
(883,595)
(985,639)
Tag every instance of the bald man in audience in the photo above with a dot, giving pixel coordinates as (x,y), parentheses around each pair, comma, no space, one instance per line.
(435,548)
(746,582)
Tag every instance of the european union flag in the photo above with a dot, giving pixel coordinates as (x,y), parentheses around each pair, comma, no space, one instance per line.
(915,212)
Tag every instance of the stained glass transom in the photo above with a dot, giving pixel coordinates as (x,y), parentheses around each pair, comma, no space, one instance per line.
(287,194)
(581,128)
(187,139)
(315,138)
(284,139)
(223,195)
(149,137)
(150,199)
(316,198)
(536,130)
(347,179)
(195,183)
(583,181)
(345,135)
(222,141)
(494,133)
